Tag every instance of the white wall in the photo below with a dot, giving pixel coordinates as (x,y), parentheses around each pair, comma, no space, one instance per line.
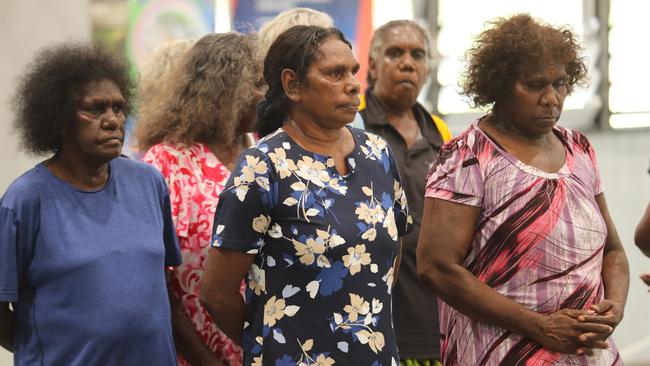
(26,26)
(623,158)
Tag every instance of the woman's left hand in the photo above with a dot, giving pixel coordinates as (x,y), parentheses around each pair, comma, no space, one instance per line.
(607,312)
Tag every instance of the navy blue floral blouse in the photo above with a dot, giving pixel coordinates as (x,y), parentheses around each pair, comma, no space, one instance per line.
(325,246)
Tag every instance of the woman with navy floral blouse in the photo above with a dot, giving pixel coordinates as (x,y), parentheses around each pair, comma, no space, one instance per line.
(313,214)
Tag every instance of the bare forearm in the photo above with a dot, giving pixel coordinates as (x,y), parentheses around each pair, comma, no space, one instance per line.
(461,290)
(7,324)
(616,275)
(188,342)
(228,315)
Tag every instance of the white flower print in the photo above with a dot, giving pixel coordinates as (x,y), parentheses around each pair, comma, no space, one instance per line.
(358,306)
(307,252)
(366,335)
(374,339)
(257,361)
(313,171)
(307,360)
(257,279)
(389,224)
(375,147)
(283,165)
(273,311)
(261,223)
(356,258)
(253,166)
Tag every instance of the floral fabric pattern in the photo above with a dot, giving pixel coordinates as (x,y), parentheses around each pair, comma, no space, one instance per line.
(195,178)
(539,241)
(325,245)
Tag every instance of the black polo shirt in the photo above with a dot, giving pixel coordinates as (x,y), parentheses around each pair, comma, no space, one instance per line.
(415,311)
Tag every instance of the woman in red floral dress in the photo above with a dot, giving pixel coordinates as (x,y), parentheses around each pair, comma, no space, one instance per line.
(201,124)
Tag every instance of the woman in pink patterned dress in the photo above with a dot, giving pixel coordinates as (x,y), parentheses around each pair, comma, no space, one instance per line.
(516,239)
(201,125)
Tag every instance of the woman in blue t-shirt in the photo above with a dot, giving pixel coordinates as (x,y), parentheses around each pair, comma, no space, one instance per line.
(86,234)
(314,214)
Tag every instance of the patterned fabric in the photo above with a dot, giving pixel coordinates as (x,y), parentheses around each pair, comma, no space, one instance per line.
(415,309)
(195,178)
(325,245)
(539,241)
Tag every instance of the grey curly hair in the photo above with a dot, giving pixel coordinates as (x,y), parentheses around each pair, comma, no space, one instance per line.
(378,38)
(290,18)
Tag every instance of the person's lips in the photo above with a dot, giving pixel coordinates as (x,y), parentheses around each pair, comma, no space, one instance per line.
(111,140)
(407,82)
(354,105)
(548,118)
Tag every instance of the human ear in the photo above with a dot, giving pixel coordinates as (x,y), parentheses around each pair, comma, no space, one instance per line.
(291,85)
(372,69)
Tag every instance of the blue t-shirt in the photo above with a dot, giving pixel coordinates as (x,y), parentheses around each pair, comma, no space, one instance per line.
(85,270)
(319,290)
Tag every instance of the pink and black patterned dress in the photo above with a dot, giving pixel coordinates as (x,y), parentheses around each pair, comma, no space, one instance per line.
(538,240)
(195,178)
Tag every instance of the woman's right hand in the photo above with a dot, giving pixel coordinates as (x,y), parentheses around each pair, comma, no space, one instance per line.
(560,332)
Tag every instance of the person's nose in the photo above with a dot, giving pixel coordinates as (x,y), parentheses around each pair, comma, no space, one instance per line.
(550,97)
(111,120)
(353,85)
(407,63)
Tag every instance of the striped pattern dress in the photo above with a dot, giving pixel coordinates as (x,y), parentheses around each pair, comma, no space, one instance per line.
(538,240)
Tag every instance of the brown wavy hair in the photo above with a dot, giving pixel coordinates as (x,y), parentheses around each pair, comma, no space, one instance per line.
(206,95)
(513,47)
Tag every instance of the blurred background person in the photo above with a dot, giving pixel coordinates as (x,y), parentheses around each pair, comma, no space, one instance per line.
(154,75)
(194,129)
(313,213)
(270,30)
(401,57)
(86,234)
(517,239)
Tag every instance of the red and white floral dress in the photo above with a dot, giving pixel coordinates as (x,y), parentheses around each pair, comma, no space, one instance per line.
(195,178)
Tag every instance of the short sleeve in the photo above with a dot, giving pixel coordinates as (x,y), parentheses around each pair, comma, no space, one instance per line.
(245,207)
(9,228)
(585,160)
(597,182)
(172,249)
(166,160)
(456,175)
(18,227)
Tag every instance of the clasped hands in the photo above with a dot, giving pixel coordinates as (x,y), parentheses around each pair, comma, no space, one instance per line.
(580,331)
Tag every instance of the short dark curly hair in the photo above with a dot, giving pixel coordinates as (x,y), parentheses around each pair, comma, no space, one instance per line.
(47,95)
(512,47)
